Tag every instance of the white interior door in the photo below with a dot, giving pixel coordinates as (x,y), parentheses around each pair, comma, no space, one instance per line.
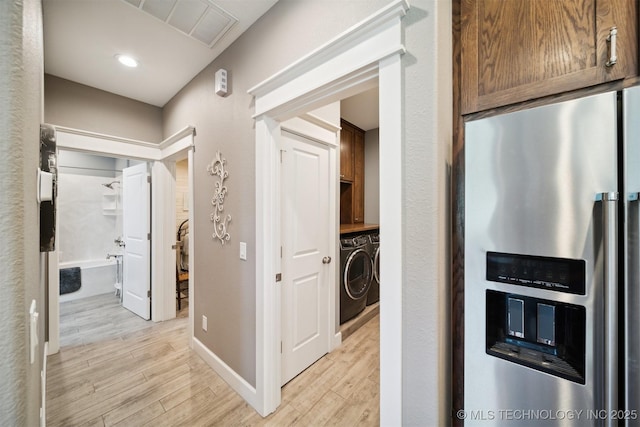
(305,230)
(136,221)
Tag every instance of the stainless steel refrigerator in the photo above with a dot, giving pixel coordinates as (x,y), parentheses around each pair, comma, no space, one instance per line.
(552,264)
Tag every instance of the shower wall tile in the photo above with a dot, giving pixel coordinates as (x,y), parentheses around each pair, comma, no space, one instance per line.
(85,232)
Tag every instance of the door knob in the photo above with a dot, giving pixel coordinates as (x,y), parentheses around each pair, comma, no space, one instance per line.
(326,260)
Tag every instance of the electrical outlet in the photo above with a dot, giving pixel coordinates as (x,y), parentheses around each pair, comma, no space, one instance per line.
(204,323)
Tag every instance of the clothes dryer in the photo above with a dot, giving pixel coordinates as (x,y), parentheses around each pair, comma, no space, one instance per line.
(356,275)
(373,295)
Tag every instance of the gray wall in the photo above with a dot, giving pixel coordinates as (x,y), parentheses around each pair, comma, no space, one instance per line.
(225,286)
(21,71)
(427,127)
(77,106)
(372,176)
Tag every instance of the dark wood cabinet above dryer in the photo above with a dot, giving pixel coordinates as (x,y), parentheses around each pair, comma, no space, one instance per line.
(351,173)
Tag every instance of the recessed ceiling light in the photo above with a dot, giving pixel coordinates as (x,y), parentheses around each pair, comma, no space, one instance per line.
(127,61)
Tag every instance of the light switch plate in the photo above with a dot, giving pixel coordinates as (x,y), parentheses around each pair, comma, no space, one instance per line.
(45,186)
(243,251)
(33,331)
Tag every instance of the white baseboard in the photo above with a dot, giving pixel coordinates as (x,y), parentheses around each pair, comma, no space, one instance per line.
(336,341)
(231,377)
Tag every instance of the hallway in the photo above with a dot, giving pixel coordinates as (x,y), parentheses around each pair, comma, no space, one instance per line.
(117,369)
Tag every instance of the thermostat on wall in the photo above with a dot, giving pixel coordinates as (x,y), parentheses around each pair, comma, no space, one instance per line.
(221,82)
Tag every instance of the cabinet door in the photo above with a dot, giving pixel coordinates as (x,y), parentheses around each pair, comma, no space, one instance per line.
(514,50)
(358,178)
(347,135)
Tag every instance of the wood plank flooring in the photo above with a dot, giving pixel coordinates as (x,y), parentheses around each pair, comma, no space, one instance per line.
(117,369)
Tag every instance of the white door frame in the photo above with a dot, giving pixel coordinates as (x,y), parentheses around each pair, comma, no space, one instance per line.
(365,55)
(162,158)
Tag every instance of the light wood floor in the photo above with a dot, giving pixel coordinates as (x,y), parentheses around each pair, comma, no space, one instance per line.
(116,369)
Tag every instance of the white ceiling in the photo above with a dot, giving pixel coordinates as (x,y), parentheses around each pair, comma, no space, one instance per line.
(82,37)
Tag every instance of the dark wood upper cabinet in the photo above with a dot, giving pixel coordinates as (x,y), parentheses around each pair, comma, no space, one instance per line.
(347,137)
(358,178)
(351,173)
(517,50)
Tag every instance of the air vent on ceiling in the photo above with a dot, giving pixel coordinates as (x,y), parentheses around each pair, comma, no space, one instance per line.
(200,19)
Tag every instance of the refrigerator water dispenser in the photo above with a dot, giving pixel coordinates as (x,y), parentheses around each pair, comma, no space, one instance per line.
(545,335)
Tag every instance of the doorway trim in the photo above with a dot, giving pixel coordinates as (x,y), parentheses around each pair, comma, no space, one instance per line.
(364,56)
(162,158)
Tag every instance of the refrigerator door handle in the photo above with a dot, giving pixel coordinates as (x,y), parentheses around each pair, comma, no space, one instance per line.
(631,282)
(610,247)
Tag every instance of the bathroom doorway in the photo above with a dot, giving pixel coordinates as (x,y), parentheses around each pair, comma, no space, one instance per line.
(161,158)
(90,225)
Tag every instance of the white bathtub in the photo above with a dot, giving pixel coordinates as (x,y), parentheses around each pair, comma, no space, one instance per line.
(98,277)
